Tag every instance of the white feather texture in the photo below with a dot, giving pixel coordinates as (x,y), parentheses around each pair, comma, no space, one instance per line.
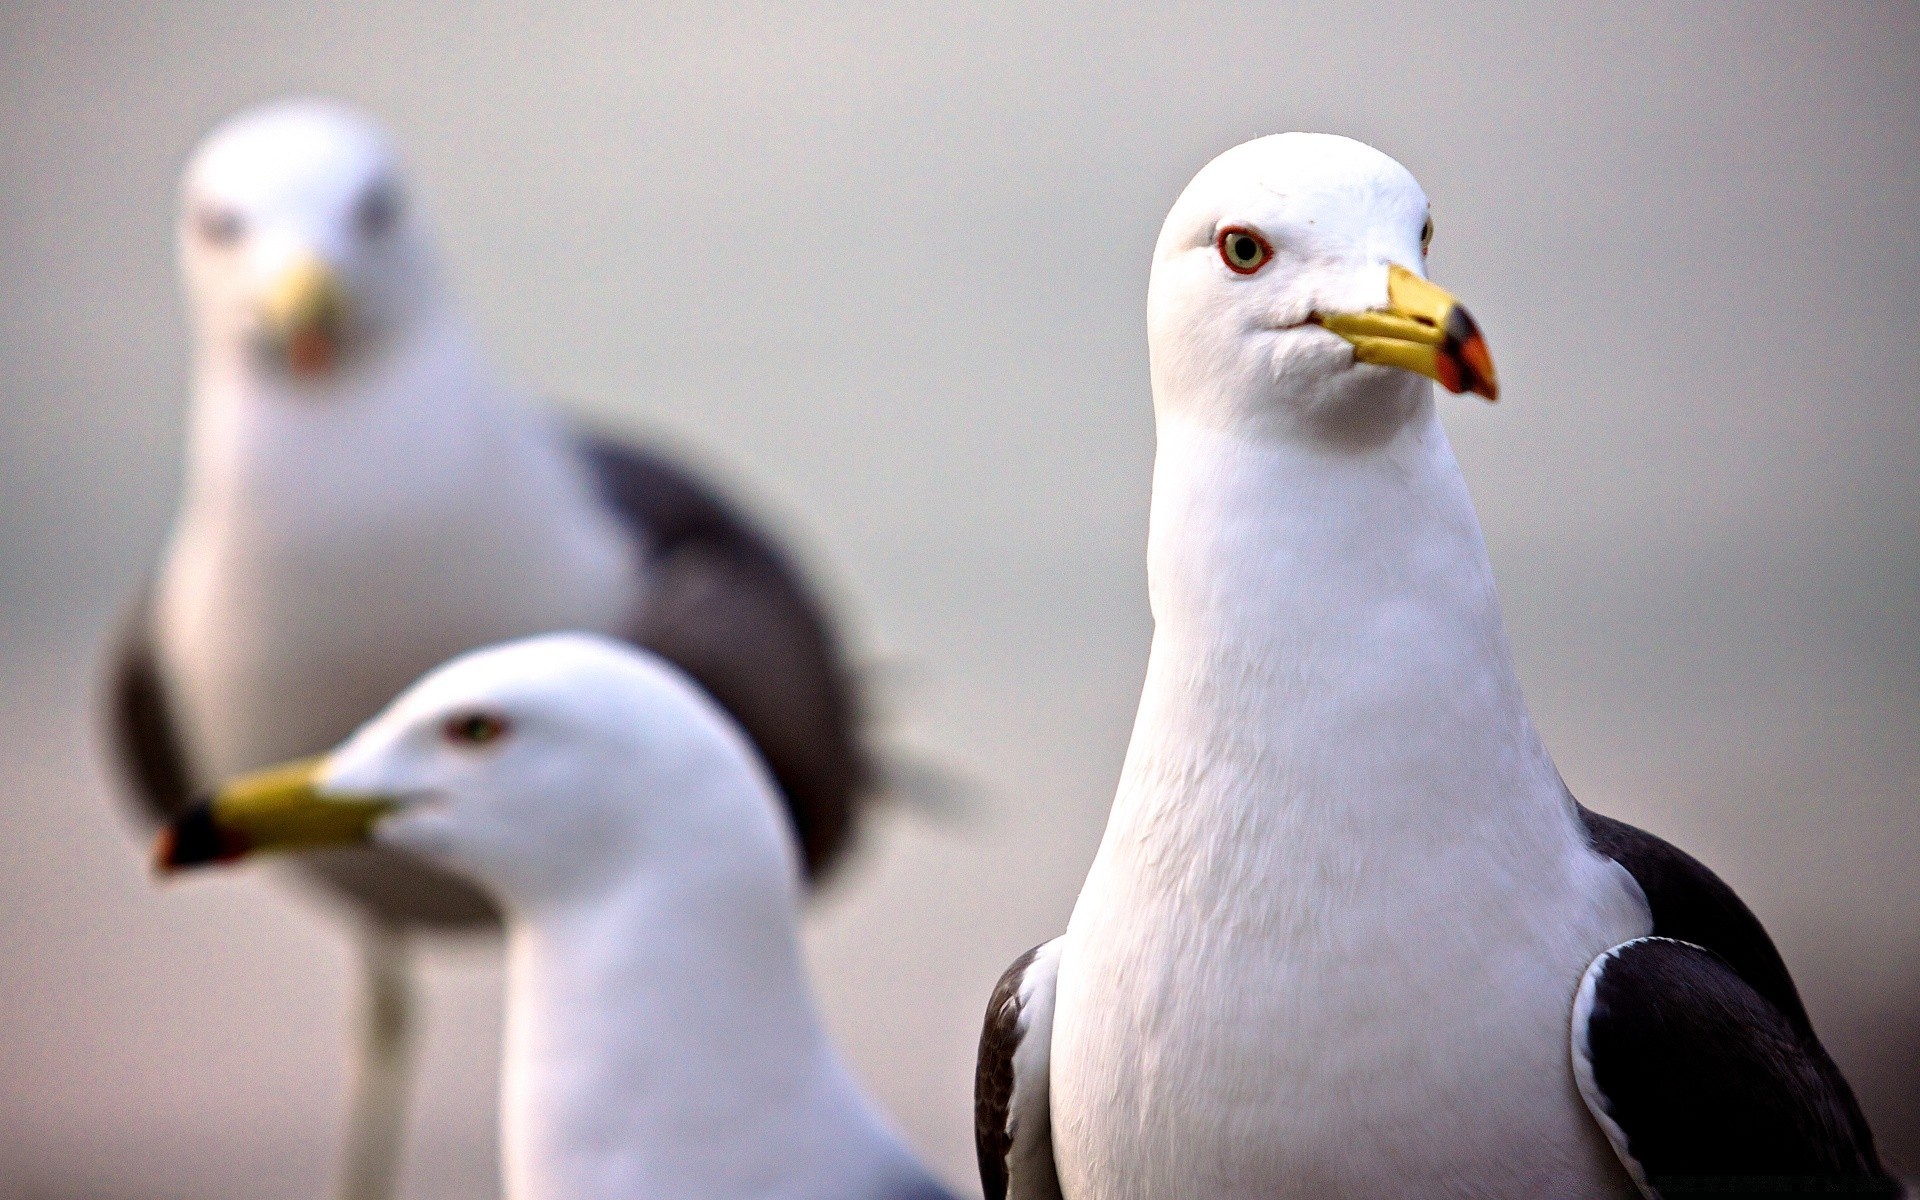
(661,1040)
(341,534)
(1331,939)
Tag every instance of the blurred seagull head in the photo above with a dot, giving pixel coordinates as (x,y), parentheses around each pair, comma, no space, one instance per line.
(300,252)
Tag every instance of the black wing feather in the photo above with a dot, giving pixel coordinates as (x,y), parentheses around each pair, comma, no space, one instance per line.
(993,1079)
(731,610)
(1692,904)
(1706,1015)
(1012,1109)
(1714,1088)
(141,733)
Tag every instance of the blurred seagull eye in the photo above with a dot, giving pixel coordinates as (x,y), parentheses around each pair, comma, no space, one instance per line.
(379,211)
(1426,235)
(474,729)
(1243,250)
(218,226)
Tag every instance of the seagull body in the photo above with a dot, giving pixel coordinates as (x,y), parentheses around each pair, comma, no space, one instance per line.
(1347,934)
(660,1037)
(357,542)
(1384,930)
(365,499)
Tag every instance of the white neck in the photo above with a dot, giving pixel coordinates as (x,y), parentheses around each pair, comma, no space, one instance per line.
(1328,662)
(264,444)
(662,1043)
(1340,867)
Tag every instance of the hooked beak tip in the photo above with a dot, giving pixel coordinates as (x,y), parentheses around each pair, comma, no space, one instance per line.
(195,839)
(1465,363)
(1421,329)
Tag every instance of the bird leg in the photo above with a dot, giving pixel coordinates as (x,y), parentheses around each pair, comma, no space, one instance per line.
(376,1118)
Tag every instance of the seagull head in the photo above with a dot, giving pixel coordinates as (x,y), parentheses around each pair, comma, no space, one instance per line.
(299,250)
(541,770)
(1289,287)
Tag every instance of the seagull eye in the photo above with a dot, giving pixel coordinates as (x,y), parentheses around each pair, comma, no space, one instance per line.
(218,226)
(474,729)
(379,211)
(1243,250)
(1426,235)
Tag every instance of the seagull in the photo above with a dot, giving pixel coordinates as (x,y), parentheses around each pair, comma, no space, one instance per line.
(1347,933)
(364,499)
(660,1036)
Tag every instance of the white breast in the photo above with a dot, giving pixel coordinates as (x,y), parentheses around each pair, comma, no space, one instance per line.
(328,554)
(1330,943)
(1383,1041)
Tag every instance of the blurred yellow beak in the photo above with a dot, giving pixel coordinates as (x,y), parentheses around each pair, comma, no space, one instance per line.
(305,312)
(280,808)
(1422,329)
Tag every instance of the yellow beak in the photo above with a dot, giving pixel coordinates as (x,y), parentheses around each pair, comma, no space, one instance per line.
(1422,329)
(305,312)
(281,808)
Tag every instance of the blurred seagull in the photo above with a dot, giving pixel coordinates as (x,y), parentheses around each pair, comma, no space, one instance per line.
(1347,934)
(364,499)
(660,1037)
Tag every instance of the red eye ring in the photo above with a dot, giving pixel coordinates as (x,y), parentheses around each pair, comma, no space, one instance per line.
(470,729)
(1243,250)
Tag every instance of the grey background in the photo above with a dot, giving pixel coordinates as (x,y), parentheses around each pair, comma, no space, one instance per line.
(886,269)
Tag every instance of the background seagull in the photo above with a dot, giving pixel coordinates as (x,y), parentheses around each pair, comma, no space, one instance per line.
(1347,933)
(661,1040)
(364,499)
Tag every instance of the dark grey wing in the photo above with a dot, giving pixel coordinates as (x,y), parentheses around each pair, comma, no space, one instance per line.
(1694,909)
(1691,904)
(730,609)
(1012,1116)
(144,741)
(157,774)
(1704,1086)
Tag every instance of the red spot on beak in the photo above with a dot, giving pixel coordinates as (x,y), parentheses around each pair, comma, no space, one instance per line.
(311,351)
(1465,365)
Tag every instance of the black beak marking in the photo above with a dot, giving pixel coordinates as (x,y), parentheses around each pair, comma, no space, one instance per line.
(194,839)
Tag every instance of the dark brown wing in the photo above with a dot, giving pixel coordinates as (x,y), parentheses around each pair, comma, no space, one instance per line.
(142,737)
(156,775)
(1692,904)
(730,609)
(1701,1051)
(1705,1087)
(1012,1114)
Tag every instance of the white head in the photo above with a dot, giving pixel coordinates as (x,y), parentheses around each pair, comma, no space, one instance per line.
(300,252)
(545,770)
(1274,292)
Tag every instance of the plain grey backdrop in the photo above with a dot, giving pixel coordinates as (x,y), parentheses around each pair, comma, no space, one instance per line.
(885,271)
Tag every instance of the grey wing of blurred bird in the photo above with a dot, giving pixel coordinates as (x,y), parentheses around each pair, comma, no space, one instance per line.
(141,733)
(156,768)
(1012,1116)
(729,608)
(1694,1053)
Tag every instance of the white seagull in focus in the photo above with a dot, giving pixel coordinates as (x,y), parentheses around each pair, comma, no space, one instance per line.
(1348,934)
